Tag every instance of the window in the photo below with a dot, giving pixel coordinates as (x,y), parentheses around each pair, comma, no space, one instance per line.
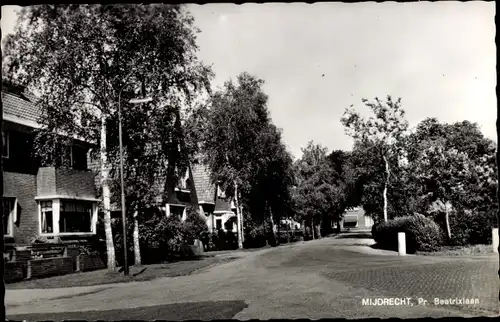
(220,192)
(5,144)
(177,211)
(79,157)
(46,219)
(218,224)
(75,217)
(9,212)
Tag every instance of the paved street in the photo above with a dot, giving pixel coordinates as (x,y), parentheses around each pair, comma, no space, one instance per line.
(318,279)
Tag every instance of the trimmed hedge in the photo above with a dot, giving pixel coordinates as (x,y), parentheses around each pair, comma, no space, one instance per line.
(422,234)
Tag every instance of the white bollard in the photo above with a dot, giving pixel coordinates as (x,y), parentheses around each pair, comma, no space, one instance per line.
(401,244)
(494,238)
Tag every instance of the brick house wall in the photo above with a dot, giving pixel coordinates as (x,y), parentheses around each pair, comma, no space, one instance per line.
(49,267)
(14,271)
(65,181)
(23,187)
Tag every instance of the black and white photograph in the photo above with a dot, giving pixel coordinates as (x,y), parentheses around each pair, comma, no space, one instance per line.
(249,161)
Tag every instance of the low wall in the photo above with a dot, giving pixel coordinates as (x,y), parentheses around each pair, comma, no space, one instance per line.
(14,271)
(86,263)
(45,267)
(22,255)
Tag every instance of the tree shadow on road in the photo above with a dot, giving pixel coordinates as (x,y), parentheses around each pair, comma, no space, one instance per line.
(356,236)
(209,310)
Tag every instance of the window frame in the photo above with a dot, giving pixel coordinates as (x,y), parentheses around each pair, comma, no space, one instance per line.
(12,217)
(219,220)
(169,210)
(56,211)
(76,203)
(41,213)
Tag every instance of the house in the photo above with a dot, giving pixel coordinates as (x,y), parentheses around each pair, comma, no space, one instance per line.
(56,203)
(355,219)
(218,209)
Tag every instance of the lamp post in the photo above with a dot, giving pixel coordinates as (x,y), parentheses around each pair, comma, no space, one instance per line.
(124,218)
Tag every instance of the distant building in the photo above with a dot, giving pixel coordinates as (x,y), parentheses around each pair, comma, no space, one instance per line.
(355,219)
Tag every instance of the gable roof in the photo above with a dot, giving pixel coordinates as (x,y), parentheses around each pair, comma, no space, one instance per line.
(204,187)
(21,108)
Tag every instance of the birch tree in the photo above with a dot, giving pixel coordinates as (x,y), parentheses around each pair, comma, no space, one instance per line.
(80,59)
(382,131)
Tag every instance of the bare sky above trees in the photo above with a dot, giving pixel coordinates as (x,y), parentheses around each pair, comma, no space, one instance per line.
(318,59)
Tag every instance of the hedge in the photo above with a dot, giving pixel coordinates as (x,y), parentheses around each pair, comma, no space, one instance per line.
(422,234)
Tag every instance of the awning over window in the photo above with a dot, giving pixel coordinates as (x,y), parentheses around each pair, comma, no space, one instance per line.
(350,219)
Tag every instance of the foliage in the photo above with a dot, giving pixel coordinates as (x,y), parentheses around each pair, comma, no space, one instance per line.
(455,164)
(317,194)
(380,135)
(241,146)
(422,234)
(468,227)
(194,227)
(84,61)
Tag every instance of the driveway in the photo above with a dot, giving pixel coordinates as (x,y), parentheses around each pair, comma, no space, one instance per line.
(326,278)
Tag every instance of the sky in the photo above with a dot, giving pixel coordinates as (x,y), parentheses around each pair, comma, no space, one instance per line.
(319,59)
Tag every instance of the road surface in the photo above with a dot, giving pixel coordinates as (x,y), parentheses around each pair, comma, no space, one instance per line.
(326,278)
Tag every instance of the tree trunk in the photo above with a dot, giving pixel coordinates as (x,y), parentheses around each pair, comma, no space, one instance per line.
(106,201)
(312,228)
(318,231)
(242,225)
(273,230)
(238,216)
(338,224)
(447,219)
(137,246)
(387,172)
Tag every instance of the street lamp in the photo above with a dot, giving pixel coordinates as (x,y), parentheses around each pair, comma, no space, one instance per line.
(124,218)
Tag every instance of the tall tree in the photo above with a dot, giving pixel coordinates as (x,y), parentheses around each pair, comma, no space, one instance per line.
(82,59)
(316,194)
(345,180)
(454,165)
(382,131)
(244,149)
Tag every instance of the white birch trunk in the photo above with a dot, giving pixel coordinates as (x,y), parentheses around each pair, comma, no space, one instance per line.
(238,217)
(137,246)
(106,201)
(447,219)
(385,187)
(242,225)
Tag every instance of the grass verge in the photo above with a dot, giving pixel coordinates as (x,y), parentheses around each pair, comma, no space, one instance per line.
(471,250)
(137,274)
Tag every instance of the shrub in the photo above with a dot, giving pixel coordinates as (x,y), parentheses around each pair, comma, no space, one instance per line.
(194,227)
(467,227)
(422,234)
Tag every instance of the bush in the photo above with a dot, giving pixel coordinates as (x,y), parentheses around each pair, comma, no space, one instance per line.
(422,234)
(467,227)
(195,227)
